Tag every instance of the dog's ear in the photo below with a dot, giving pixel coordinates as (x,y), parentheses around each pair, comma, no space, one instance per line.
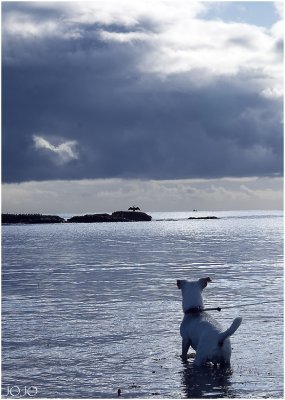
(179,283)
(204,281)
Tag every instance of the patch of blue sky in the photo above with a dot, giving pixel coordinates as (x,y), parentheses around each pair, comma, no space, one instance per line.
(260,13)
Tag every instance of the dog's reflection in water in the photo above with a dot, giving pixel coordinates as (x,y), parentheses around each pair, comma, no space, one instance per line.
(209,381)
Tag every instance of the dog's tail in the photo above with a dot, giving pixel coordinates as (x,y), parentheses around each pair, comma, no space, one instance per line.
(230,331)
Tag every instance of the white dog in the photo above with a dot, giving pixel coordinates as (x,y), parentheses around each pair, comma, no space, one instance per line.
(200,331)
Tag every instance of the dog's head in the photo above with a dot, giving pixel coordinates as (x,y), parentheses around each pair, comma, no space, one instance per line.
(202,282)
(192,292)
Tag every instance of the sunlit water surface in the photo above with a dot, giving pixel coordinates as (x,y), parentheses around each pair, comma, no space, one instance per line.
(91,308)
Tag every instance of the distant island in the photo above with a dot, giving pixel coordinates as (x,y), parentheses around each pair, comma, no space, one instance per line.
(31,219)
(117,216)
(211,217)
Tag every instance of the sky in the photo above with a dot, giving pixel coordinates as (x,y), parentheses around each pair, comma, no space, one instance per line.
(167,104)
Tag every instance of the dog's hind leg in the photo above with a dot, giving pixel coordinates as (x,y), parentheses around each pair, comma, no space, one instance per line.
(199,360)
(201,355)
(186,343)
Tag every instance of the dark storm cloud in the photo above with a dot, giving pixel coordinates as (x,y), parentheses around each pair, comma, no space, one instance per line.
(77,87)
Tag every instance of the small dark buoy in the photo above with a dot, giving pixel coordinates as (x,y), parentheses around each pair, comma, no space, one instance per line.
(119,392)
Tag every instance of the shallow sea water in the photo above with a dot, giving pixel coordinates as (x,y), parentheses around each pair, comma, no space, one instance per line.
(91,308)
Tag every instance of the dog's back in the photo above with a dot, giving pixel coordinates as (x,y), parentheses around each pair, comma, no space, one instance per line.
(208,338)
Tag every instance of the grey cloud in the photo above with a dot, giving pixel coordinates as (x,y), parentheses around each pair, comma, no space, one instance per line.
(79,196)
(241,41)
(279,47)
(127,123)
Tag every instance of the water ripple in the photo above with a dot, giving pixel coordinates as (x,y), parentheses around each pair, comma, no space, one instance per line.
(88,309)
